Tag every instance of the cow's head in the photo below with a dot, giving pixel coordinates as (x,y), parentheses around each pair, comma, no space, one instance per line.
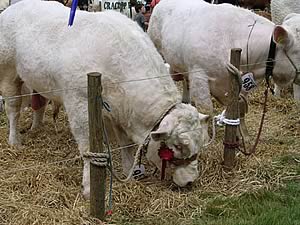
(184,132)
(287,39)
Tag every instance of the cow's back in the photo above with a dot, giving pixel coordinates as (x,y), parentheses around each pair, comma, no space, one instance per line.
(281,8)
(204,31)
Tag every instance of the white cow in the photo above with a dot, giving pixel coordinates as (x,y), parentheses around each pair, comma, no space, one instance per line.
(196,36)
(36,51)
(279,10)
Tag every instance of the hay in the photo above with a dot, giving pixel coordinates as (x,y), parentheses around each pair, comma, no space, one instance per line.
(49,193)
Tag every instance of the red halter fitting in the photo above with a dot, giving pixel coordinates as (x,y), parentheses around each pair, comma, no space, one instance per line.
(165,154)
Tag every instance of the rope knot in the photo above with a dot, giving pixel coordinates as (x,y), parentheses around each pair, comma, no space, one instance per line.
(221,120)
(97,159)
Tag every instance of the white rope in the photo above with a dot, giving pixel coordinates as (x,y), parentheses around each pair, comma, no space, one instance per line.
(221,120)
(135,162)
(213,133)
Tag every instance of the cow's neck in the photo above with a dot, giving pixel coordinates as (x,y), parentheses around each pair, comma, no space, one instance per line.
(257,62)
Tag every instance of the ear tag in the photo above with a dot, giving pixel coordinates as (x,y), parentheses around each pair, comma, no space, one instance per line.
(138,172)
(248,82)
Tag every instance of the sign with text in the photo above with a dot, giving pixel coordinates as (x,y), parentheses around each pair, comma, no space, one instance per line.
(122,6)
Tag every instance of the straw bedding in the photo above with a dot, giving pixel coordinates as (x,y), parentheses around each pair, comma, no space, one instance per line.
(34,190)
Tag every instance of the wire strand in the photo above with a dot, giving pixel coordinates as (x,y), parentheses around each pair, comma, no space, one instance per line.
(126,81)
(61,161)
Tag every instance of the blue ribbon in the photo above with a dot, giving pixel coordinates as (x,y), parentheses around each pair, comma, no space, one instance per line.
(72,12)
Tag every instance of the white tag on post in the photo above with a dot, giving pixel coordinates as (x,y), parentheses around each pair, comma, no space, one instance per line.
(248,82)
(138,172)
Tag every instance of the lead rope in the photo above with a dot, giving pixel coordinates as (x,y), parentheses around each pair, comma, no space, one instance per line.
(213,132)
(253,149)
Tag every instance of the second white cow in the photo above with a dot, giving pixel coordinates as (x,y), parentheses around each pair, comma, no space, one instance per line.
(279,10)
(196,37)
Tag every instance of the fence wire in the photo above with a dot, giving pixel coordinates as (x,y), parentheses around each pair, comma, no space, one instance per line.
(77,157)
(111,84)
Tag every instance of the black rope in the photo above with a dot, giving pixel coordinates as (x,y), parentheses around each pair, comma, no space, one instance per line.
(270,64)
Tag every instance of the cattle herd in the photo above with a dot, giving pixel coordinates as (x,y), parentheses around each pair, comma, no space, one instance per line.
(192,36)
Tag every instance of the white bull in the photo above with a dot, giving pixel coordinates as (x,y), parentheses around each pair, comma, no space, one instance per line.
(196,37)
(35,51)
(279,10)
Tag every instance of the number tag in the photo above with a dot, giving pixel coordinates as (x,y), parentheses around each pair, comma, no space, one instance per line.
(248,82)
(138,172)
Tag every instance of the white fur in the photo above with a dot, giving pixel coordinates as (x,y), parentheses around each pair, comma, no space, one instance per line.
(193,35)
(48,55)
(280,9)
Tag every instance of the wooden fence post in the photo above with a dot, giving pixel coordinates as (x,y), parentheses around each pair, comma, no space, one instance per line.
(97,174)
(232,113)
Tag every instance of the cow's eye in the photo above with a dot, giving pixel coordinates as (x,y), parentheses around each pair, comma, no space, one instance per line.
(178,147)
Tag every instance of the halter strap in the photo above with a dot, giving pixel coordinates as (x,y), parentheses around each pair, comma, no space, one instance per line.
(294,65)
(270,62)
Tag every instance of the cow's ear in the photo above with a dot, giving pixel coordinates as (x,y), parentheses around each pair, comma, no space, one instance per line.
(164,129)
(203,118)
(159,135)
(282,37)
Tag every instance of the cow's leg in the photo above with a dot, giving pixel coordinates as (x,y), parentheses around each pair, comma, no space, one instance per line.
(176,76)
(200,92)
(38,104)
(38,117)
(296,89)
(77,112)
(277,90)
(13,107)
(186,96)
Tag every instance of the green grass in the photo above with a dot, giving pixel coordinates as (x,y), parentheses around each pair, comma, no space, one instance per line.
(275,207)
(281,207)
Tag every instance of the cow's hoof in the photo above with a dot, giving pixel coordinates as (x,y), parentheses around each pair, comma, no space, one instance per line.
(15,143)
